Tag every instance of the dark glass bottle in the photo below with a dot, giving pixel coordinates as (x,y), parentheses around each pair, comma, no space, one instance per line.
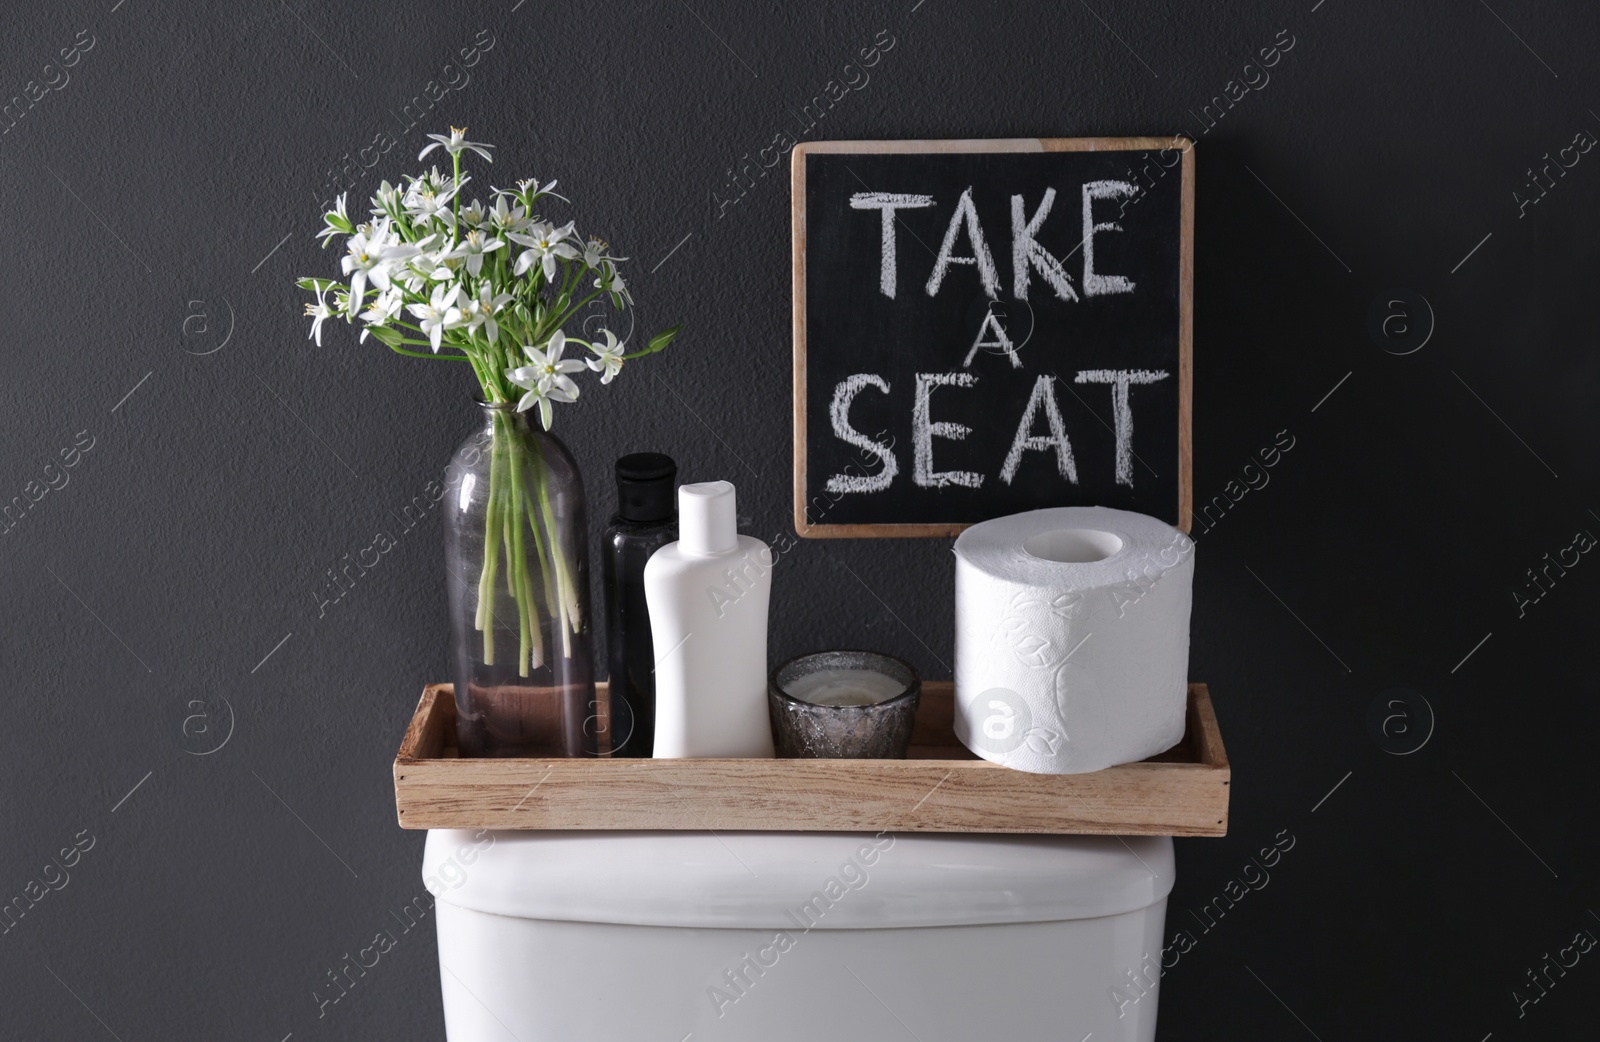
(645,521)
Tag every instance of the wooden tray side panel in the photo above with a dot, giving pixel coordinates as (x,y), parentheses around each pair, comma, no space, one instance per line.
(730,795)
(1203,730)
(1183,793)
(431,726)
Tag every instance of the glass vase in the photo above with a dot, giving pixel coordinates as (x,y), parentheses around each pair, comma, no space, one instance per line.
(516,554)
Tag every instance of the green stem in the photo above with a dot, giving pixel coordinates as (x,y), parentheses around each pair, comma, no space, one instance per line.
(515,566)
(573,310)
(567,612)
(507,530)
(491,546)
(537,471)
(483,368)
(508,505)
(527,620)
(456,158)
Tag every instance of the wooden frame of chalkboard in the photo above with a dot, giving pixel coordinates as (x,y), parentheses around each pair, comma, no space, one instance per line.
(1146,164)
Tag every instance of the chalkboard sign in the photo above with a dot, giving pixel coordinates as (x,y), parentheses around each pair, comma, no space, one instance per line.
(986,327)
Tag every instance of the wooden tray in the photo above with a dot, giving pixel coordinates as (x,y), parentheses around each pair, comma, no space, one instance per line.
(940,787)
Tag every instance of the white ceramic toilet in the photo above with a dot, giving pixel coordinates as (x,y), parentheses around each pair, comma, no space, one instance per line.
(796,937)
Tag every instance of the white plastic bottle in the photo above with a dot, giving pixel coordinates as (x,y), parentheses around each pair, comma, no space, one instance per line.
(708,596)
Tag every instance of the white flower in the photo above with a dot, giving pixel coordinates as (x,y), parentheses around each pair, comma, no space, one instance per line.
(506,219)
(439,313)
(551,368)
(530,188)
(474,214)
(610,280)
(426,263)
(545,245)
(539,396)
(319,313)
(472,250)
(423,269)
(480,311)
(428,198)
(594,251)
(384,308)
(456,143)
(338,221)
(410,277)
(364,257)
(372,253)
(386,203)
(546,380)
(607,359)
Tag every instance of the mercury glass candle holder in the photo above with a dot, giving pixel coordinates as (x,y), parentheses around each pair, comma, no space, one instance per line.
(843,705)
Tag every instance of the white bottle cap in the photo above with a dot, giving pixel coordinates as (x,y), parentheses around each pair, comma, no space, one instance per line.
(706,519)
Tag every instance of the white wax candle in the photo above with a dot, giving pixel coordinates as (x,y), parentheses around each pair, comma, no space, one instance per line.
(844,687)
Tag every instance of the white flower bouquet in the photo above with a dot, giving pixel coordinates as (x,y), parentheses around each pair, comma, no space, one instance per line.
(493,285)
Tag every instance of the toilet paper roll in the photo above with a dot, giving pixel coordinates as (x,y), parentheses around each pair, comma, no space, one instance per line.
(1072,638)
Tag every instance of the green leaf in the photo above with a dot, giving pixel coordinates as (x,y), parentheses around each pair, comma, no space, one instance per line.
(317,285)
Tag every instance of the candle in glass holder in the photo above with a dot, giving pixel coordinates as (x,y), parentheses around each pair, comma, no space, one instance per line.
(845,687)
(857,704)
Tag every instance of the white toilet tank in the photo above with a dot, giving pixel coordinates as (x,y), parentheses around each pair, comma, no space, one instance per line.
(796,937)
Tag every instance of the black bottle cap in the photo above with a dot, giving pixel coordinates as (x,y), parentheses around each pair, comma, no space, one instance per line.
(647,487)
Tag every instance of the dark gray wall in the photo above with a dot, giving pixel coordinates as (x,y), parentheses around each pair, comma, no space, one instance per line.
(157,204)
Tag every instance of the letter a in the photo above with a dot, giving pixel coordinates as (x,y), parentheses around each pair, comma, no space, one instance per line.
(1044,396)
(966,216)
(1003,342)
